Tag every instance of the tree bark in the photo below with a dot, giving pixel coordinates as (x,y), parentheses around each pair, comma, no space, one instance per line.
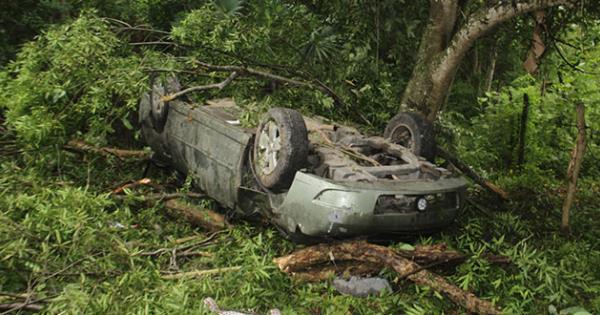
(538,47)
(442,19)
(361,251)
(574,167)
(435,69)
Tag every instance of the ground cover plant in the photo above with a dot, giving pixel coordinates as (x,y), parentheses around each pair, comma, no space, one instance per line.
(71,246)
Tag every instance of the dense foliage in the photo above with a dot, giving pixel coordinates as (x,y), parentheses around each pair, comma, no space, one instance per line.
(64,238)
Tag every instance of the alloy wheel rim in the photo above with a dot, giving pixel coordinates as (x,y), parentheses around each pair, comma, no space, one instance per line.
(269,147)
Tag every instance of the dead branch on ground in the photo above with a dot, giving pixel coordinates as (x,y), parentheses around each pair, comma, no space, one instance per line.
(16,307)
(200,273)
(80,146)
(201,217)
(427,255)
(132,184)
(361,251)
(153,198)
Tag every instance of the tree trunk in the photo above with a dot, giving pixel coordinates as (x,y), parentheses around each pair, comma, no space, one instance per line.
(442,19)
(532,63)
(440,52)
(523,132)
(491,70)
(574,167)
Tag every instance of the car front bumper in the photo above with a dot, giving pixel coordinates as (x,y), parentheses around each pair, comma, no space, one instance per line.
(319,207)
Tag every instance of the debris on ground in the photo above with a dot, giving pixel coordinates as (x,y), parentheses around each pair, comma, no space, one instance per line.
(362,287)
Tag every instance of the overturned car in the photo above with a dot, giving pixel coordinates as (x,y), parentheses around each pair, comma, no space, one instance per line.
(310,178)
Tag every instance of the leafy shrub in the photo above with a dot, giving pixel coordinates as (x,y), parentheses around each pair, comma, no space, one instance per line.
(75,79)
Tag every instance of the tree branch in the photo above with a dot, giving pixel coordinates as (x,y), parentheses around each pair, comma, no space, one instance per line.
(160,197)
(219,86)
(246,71)
(82,147)
(15,307)
(154,43)
(465,169)
(482,22)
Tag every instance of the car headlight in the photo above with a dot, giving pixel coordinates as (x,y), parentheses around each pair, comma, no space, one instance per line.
(421,204)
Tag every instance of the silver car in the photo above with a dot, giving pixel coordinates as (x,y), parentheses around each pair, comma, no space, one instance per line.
(309,177)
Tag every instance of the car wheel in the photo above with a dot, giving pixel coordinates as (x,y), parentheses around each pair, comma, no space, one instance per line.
(280,148)
(412,131)
(159,109)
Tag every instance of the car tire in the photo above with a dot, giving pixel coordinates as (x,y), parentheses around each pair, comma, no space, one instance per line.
(412,131)
(159,110)
(280,148)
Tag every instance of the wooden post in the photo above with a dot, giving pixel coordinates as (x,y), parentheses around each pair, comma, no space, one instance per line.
(574,167)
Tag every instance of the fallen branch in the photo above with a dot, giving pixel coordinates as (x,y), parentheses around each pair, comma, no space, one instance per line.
(219,86)
(15,307)
(160,197)
(214,307)
(200,273)
(361,251)
(343,268)
(429,256)
(245,71)
(465,169)
(140,182)
(162,251)
(204,218)
(82,147)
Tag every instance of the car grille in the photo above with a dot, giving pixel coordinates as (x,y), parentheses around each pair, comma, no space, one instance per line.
(408,203)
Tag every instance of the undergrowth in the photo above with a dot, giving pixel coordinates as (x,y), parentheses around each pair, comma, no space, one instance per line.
(78,250)
(66,240)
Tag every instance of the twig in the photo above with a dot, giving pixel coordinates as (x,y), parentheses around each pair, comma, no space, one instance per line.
(142,29)
(116,21)
(140,182)
(200,273)
(71,265)
(161,251)
(14,295)
(200,217)
(219,86)
(154,43)
(205,241)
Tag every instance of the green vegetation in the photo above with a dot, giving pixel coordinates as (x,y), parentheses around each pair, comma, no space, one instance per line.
(64,238)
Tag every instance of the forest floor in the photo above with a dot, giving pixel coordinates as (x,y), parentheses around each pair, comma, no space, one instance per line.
(66,244)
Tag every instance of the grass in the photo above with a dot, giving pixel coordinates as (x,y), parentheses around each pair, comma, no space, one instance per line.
(63,238)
